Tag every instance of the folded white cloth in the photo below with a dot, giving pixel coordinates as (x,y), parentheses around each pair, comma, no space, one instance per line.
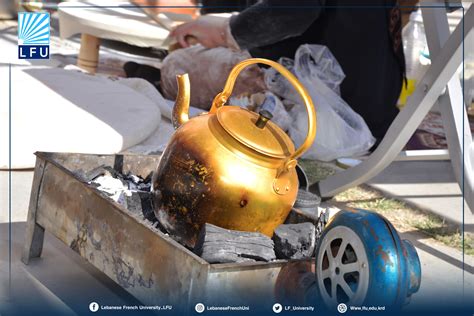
(68,111)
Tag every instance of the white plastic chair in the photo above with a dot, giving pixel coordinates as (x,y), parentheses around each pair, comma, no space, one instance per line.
(446,53)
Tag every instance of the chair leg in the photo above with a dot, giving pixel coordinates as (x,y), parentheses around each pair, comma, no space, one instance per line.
(88,58)
(443,68)
(452,106)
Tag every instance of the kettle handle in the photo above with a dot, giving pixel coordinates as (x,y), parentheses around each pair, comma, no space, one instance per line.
(222,97)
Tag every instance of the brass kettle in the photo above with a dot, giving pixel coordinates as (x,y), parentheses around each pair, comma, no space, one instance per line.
(229,167)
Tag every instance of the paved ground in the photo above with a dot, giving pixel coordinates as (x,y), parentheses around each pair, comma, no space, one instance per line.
(58,283)
(430,185)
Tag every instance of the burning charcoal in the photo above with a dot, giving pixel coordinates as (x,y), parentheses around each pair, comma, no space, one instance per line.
(298,216)
(133,202)
(131,178)
(219,245)
(131,191)
(140,202)
(137,183)
(135,179)
(146,199)
(144,187)
(131,186)
(294,241)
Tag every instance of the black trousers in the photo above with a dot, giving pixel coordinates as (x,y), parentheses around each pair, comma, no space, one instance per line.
(363,35)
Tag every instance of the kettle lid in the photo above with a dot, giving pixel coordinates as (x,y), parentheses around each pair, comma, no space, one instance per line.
(255,131)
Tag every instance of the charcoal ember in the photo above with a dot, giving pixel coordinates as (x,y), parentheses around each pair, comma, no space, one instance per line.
(130,186)
(131,181)
(144,187)
(145,184)
(129,190)
(133,178)
(219,245)
(147,205)
(298,216)
(133,202)
(140,202)
(294,241)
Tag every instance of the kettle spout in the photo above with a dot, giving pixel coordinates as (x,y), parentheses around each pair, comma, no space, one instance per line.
(180,113)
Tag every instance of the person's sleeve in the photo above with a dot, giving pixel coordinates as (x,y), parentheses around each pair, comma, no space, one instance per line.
(269,22)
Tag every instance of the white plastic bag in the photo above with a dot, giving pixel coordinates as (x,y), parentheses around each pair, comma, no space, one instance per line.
(341,132)
(208,70)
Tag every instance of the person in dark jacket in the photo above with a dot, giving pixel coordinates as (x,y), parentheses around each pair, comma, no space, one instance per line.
(364,36)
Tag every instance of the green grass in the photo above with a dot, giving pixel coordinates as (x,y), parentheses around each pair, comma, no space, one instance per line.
(406,217)
(315,171)
(437,229)
(403,216)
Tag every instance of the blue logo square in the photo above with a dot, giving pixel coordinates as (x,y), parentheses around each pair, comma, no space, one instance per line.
(33,35)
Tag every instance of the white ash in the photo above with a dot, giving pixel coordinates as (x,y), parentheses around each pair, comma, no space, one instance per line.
(129,190)
(114,188)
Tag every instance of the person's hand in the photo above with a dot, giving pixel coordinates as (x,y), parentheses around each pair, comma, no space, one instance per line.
(209,31)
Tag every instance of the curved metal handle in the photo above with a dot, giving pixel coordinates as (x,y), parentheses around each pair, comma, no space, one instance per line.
(222,97)
(180,113)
